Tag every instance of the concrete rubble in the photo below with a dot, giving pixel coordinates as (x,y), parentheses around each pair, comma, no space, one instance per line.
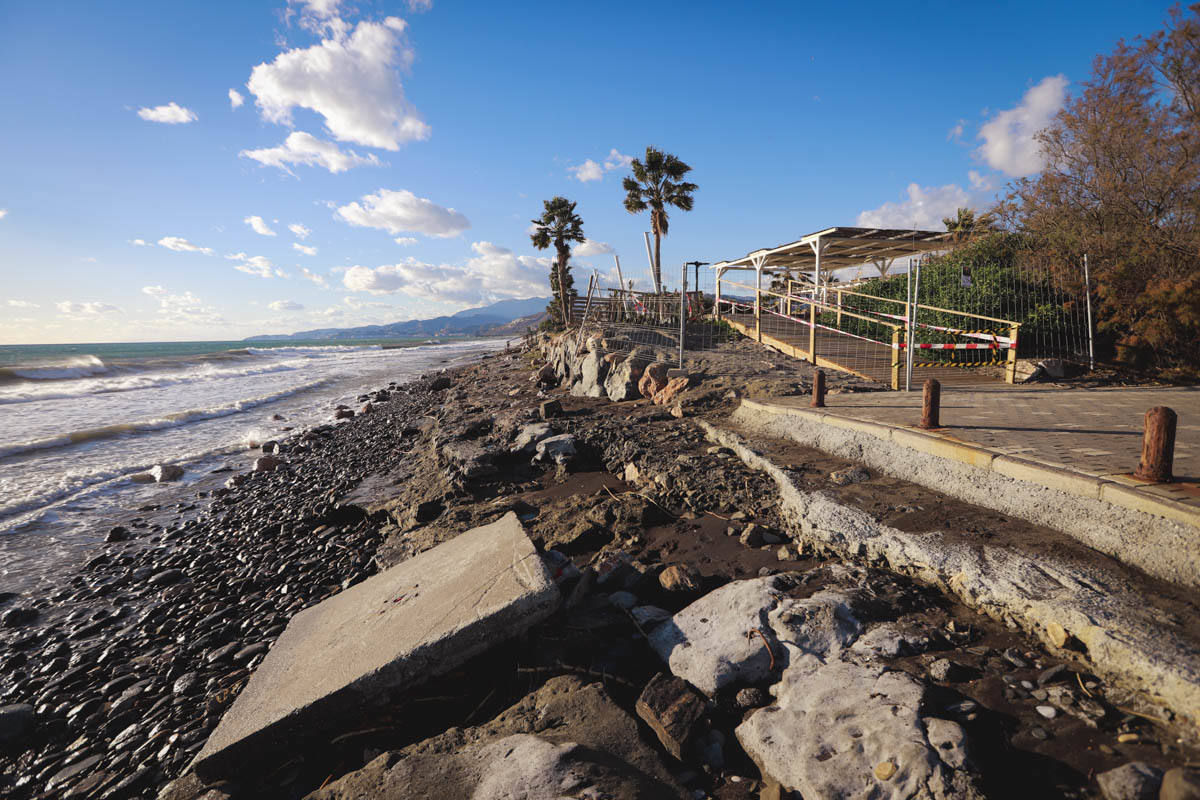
(567,739)
(399,628)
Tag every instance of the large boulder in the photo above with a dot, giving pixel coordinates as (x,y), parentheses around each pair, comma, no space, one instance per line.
(567,739)
(654,379)
(675,386)
(470,459)
(593,369)
(623,378)
(412,622)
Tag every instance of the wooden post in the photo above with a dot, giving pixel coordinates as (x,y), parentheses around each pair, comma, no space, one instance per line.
(788,300)
(896,358)
(1010,369)
(717,295)
(931,401)
(818,400)
(839,309)
(1158,446)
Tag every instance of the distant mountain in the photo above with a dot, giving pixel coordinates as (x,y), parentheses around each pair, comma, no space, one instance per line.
(506,317)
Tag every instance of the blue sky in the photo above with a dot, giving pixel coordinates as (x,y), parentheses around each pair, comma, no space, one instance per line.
(391,154)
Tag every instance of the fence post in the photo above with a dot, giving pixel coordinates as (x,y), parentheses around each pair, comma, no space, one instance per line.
(818,400)
(931,400)
(839,309)
(1158,445)
(717,295)
(682,312)
(812,330)
(788,300)
(1010,369)
(1087,291)
(758,304)
(896,358)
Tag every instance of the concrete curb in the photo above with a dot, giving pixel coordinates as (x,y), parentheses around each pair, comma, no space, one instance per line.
(1110,517)
(1059,601)
(1127,492)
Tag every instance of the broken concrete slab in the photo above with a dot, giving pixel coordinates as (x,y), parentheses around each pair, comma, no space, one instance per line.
(672,709)
(567,739)
(841,729)
(401,627)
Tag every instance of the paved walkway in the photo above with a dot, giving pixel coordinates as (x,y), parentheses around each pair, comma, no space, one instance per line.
(1096,432)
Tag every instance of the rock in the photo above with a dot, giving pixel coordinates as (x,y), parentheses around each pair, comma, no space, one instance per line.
(675,386)
(1052,674)
(266,464)
(649,616)
(546,376)
(367,408)
(567,739)
(141,477)
(751,697)
(1057,635)
(677,411)
(623,599)
(631,474)
(1049,712)
(15,722)
(622,381)
(17,616)
(836,724)
(1137,780)
(440,382)
(401,627)
(710,644)
(673,711)
(117,534)
(530,435)
(845,477)
(343,413)
(64,776)
(166,577)
(751,536)
(949,740)
(592,371)
(550,409)
(946,671)
(1180,783)
(470,459)
(166,472)
(679,578)
(560,449)
(654,379)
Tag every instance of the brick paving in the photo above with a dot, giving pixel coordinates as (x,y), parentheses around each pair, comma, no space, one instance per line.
(1093,431)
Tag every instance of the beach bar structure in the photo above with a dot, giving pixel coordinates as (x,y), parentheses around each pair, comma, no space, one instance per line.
(786,313)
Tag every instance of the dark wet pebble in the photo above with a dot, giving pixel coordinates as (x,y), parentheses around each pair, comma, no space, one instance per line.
(167,577)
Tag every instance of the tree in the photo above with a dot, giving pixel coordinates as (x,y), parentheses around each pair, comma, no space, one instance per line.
(1121,183)
(655,184)
(964,223)
(559,225)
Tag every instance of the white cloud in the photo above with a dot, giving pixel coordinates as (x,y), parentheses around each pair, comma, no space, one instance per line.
(956,132)
(587,171)
(403,212)
(590,247)
(980,183)
(923,209)
(350,79)
(259,226)
(285,305)
(171,114)
(320,8)
(405,241)
(181,245)
(593,171)
(493,273)
(154,291)
(1008,143)
(319,280)
(3,213)
(139,242)
(254,265)
(71,308)
(304,148)
(22,304)
(303,248)
(419,6)
(300,231)
(184,310)
(235,98)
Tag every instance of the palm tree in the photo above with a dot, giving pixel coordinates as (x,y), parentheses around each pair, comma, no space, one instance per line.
(655,184)
(559,225)
(964,223)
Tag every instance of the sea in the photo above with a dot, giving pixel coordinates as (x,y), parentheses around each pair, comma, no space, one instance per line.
(77,420)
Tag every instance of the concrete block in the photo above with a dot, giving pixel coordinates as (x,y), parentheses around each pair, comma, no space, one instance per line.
(419,619)
(1022,469)
(858,426)
(944,448)
(1148,503)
